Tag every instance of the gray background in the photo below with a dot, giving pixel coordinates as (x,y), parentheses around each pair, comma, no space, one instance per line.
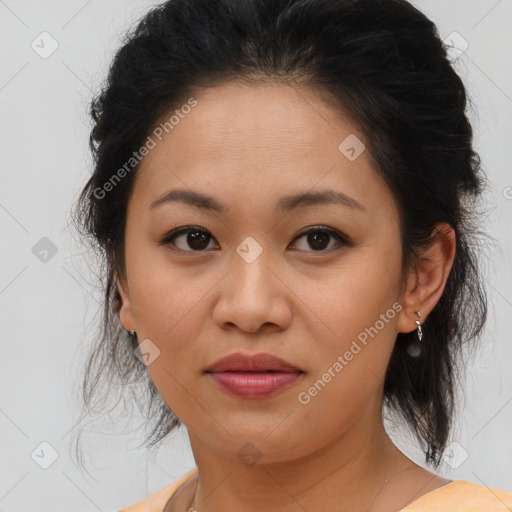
(46,307)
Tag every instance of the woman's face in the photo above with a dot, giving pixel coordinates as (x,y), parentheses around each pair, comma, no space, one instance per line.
(250,282)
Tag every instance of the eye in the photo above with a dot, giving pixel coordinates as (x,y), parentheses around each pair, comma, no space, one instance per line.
(318,237)
(195,237)
(198,239)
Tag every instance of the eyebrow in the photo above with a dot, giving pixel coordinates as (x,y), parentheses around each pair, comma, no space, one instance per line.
(284,205)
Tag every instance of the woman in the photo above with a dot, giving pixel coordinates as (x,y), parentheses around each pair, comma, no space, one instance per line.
(285,195)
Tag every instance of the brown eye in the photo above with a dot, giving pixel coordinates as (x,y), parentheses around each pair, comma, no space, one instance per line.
(196,239)
(318,238)
(192,239)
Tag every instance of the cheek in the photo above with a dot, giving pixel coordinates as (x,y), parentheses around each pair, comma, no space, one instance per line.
(358,309)
(166,305)
(162,293)
(354,296)
(349,368)
(170,311)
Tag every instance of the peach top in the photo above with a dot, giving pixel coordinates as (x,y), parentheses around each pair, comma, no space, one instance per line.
(455,496)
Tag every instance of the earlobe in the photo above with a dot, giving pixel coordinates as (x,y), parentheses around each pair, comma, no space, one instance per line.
(125,310)
(426,282)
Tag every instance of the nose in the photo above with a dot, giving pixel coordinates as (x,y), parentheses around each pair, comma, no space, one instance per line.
(253,295)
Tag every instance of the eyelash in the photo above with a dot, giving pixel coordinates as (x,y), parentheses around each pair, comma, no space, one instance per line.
(344,241)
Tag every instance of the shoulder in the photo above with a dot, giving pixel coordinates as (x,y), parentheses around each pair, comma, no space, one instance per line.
(157,501)
(463,496)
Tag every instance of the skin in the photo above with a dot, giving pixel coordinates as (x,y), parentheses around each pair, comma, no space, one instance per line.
(247,147)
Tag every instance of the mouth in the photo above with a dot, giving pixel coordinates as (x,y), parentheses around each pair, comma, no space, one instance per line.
(253,375)
(252,384)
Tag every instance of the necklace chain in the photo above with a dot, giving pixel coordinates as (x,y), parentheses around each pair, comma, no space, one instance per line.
(191,508)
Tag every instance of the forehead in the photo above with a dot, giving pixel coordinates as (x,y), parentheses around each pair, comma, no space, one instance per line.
(266,141)
(273,119)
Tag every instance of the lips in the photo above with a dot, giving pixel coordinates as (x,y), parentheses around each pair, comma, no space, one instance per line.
(253,376)
(239,362)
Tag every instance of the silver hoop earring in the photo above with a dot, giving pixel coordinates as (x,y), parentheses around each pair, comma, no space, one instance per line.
(420,333)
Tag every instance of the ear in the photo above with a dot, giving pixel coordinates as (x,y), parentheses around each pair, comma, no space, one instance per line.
(427,280)
(125,310)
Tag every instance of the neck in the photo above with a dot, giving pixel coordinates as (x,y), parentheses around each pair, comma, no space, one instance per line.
(346,474)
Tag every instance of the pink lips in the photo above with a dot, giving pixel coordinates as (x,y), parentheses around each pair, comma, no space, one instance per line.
(253,376)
